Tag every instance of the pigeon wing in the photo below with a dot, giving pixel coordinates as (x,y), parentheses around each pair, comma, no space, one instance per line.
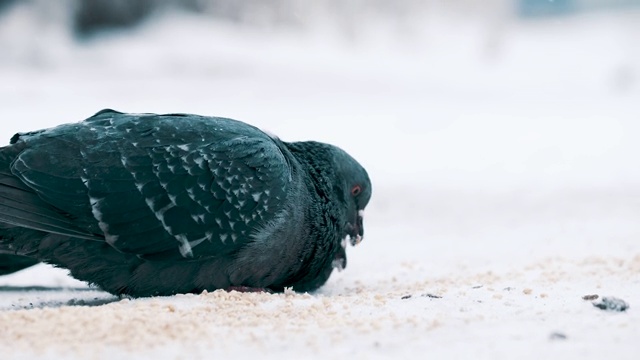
(159,186)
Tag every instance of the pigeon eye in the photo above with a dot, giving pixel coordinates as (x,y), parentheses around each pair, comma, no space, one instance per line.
(356,190)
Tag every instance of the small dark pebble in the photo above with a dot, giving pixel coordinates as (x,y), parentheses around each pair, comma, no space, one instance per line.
(406,297)
(611,304)
(477,286)
(557,336)
(432,296)
(509,288)
(590,297)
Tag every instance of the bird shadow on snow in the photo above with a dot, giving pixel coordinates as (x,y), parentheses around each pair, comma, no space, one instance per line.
(9,288)
(38,297)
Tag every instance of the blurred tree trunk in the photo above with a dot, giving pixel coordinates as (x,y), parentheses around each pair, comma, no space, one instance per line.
(92,15)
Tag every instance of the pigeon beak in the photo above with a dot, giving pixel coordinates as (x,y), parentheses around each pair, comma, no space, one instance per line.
(355,232)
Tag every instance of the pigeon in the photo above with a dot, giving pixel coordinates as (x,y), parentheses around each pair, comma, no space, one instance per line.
(154,205)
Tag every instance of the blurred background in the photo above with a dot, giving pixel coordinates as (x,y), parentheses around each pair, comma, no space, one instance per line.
(509,125)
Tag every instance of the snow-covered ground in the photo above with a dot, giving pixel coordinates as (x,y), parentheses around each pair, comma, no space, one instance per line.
(503,156)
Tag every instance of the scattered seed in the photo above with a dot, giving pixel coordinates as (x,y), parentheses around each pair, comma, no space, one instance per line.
(611,304)
(432,296)
(557,336)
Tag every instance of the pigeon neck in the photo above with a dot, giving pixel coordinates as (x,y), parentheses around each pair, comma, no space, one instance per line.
(315,158)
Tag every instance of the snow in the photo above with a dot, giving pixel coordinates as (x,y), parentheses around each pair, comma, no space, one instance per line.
(503,156)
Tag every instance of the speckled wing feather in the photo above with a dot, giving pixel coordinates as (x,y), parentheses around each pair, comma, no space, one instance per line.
(159,186)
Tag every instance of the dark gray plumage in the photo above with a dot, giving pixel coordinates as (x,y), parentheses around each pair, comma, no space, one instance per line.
(145,204)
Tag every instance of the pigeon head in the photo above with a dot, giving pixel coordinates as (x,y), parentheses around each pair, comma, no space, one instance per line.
(355,191)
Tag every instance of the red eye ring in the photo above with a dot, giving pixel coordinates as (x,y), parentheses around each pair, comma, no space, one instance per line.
(356,190)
